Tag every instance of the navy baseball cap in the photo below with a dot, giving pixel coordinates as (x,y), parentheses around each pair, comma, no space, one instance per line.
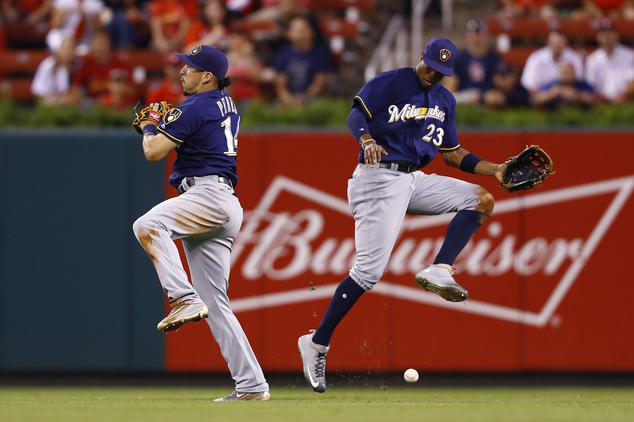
(440,55)
(208,58)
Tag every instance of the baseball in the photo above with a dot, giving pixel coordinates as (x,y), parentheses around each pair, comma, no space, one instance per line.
(411,375)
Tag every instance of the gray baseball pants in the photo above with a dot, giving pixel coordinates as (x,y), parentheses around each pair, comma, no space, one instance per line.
(207,217)
(379,198)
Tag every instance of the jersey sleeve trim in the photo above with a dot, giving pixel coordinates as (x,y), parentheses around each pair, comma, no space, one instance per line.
(364,106)
(170,137)
(451,148)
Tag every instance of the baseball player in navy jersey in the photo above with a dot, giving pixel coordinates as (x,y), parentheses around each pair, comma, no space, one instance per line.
(206,215)
(401,120)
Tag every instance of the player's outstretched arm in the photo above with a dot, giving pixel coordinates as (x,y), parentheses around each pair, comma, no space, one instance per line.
(465,161)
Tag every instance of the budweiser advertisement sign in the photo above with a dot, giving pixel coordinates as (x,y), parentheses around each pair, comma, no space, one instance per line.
(547,274)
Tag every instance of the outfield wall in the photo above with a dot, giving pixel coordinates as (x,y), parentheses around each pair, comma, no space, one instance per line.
(547,274)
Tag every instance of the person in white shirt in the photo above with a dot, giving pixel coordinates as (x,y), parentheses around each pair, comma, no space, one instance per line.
(542,66)
(610,68)
(52,78)
(73,18)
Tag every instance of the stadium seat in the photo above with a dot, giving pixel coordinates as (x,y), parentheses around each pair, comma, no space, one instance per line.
(332,27)
(19,89)
(522,28)
(517,56)
(21,62)
(340,5)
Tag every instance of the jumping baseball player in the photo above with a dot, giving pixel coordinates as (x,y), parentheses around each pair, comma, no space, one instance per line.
(206,215)
(402,119)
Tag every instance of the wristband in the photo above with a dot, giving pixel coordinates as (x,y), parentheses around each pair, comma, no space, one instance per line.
(469,162)
(367,140)
(149,129)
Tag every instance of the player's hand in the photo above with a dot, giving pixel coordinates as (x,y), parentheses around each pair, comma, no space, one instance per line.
(499,173)
(372,153)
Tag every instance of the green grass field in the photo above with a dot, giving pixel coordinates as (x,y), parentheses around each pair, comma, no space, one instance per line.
(114,404)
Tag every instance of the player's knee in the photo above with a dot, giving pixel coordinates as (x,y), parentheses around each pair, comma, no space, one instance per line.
(366,281)
(140,226)
(485,201)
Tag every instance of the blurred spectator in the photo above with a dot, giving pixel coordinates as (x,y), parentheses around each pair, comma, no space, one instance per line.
(213,28)
(119,95)
(120,19)
(8,12)
(93,76)
(30,11)
(280,13)
(544,9)
(170,88)
(36,10)
(245,69)
(73,18)
(474,67)
(507,91)
(597,9)
(610,68)
(242,7)
(170,21)
(302,67)
(51,82)
(567,90)
(542,65)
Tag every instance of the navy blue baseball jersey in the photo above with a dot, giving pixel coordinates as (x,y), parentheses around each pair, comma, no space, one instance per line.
(205,127)
(411,123)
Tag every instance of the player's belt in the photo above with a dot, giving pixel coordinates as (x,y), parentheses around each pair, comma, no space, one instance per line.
(191,181)
(404,167)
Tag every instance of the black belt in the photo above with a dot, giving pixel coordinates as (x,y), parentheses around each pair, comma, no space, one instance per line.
(190,181)
(404,167)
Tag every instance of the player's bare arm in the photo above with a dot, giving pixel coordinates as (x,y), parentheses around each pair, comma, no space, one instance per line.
(486,168)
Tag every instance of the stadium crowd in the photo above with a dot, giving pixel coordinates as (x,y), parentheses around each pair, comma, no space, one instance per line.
(288,51)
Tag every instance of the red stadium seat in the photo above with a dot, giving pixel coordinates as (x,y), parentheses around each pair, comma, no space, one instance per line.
(339,5)
(21,61)
(522,28)
(338,27)
(19,89)
(517,56)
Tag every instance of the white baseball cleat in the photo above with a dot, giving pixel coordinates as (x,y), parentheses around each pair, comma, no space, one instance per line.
(314,360)
(438,279)
(183,311)
(236,396)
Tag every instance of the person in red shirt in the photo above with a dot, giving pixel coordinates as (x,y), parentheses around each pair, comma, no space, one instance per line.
(170,88)
(169,22)
(119,95)
(213,28)
(93,76)
(245,69)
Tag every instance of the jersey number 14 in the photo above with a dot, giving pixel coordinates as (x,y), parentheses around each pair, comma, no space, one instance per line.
(232,138)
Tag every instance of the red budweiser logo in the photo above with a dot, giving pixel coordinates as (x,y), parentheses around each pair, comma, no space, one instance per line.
(297,241)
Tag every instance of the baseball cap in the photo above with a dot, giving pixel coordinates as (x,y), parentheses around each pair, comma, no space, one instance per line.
(208,58)
(478,26)
(440,55)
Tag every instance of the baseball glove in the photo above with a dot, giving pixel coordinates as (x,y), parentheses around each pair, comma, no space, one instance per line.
(527,170)
(148,113)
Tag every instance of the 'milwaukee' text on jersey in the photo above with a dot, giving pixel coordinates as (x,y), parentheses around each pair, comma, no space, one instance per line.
(205,127)
(410,122)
